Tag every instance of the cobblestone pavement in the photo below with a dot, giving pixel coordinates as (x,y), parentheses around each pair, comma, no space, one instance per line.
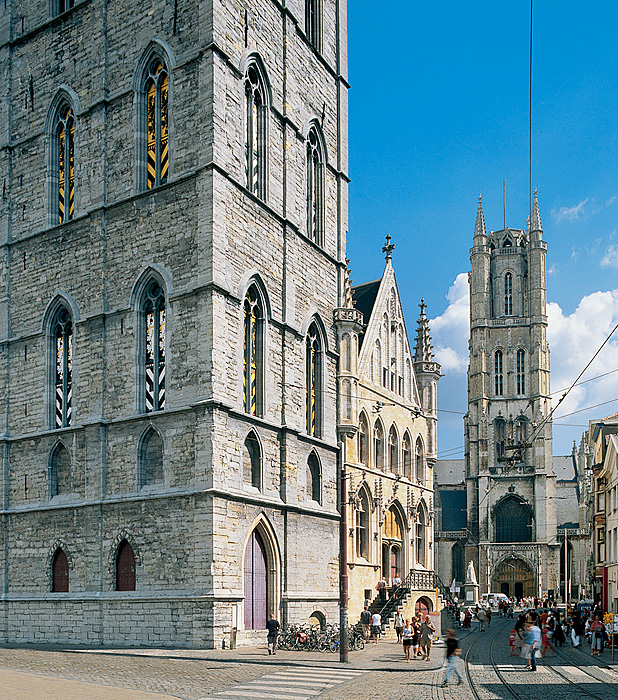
(377,673)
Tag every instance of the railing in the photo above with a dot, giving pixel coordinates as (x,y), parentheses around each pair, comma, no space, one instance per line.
(414,581)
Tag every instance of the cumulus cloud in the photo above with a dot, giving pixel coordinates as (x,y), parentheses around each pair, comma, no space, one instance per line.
(570,213)
(450,331)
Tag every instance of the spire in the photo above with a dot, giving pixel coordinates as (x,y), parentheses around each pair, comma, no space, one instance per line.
(389,247)
(423,350)
(347,286)
(535,217)
(479,226)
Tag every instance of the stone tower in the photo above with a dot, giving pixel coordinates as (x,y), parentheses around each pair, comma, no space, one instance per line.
(508,441)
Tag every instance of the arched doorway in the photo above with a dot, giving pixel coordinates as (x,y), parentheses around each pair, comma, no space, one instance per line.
(256,588)
(423,605)
(392,544)
(514,576)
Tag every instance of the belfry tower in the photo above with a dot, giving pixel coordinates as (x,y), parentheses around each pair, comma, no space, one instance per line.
(509,476)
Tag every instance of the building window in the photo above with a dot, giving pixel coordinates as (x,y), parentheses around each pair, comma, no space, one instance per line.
(125,567)
(498,375)
(59,471)
(521,371)
(314,478)
(362,526)
(61,6)
(421,538)
(420,461)
(315,187)
(253,353)
(63,367)
(500,436)
(393,450)
(255,133)
(313,22)
(314,381)
(508,294)
(378,445)
(252,462)
(60,572)
(153,310)
(457,562)
(64,158)
(157,122)
(151,459)
(407,456)
(513,521)
(363,441)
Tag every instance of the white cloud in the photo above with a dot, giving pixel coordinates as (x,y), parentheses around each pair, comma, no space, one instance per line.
(570,213)
(610,259)
(450,331)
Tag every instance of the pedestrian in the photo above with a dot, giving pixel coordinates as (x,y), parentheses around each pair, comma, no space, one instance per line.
(399,622)
(396,581)
(546,641)
(488,615)
(407,640)
(480,613)
(272,629)
(512,638)
(467,619)
(427,630)
(452,654)
(532,642)
(416,637)
(381,588)
(596,630)
(365,620)
(376,626)
(559,637)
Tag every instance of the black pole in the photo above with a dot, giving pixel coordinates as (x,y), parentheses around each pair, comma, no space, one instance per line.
(343,558)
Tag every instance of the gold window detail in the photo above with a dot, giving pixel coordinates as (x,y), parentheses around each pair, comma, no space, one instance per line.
(65,136)
(157,89)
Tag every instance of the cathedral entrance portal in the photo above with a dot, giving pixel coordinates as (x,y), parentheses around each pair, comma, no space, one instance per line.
(514,576)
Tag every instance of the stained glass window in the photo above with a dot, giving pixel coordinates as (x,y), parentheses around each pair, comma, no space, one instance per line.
(255,138)
(314,381)
(315,188)
(65,144)
(157,88)
(63,347)
(252,356)
(154,320)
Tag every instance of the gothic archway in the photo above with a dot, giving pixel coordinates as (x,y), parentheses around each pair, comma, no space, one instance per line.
(514,576)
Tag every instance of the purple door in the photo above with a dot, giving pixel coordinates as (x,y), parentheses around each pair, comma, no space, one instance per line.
(255,583)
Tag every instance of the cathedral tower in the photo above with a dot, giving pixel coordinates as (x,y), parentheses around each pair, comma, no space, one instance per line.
(509,476)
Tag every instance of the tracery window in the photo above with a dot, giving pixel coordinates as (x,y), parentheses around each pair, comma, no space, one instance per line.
(153,309)
(60,572)
(393,449)
(255,134)
(513,521)
(407,456)
(362,526)
(363,441)
(314,478)
(63,368)
(521,430)
(252,461)
(521,371)
(498,373)
(314,381)
(313,22)
(65,163)
(508,294)
(500,436)
(378,445)
(253,353)
(315,188)
(157,121)
(125,567)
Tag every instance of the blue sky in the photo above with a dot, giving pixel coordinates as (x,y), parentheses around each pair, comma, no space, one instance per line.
(439,114)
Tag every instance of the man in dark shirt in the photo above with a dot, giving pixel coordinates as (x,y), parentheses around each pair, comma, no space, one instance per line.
(452,654)
(272,627)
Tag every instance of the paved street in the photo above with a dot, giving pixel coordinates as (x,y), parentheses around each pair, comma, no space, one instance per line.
(377,673)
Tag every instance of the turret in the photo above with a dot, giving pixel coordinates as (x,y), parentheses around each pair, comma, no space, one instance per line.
(480,288)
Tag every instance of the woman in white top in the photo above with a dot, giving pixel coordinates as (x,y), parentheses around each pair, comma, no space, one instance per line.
(407,640)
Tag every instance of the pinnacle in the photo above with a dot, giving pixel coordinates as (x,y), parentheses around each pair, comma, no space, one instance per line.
(535,217)
(479,226)
(423,350)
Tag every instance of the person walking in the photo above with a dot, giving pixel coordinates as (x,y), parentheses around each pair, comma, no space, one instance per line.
(272,630)
(365,620)
(452,654)
(416,636)
(532,641)
(376,626)
(488,615)
(399,623)
(596,629)
(480,613)
(427,630)
(382,590)
(407,640)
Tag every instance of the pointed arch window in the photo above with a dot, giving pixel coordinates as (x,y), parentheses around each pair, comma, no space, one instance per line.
(153,333)
(362,525)
(314,478)
(420,461)
(156,88)
(421,538)
(151,459)
(313,23)
(500,437)
(252,462)
(508,294)
(313,346)
(59,471)
(378,445)
(457,563)
(60,572)
(521,371)
(513,521)
(64,162)
(407,456)
(521,430)
(125,567)
(315,187)
(393,450)
(62,334)
(498,373)
(363,441)
(253,353)
(255,133)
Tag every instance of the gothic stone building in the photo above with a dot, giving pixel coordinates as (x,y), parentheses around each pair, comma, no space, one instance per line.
(388,396)
(173,228)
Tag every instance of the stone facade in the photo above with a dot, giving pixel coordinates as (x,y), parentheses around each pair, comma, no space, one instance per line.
(204,236)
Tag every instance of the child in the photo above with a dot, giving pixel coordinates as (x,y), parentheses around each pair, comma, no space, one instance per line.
(512,638)
(546,641)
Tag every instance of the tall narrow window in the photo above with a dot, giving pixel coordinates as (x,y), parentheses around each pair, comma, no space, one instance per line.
(508,294)
(378,445)
(154,355)
(315,188)
(63,347)
(362,525)
(157,146)
(500,435)
(253,356)
(420,461)
(363,441)
(60,572)
(65,148)
(521,371)
(255,137)
(313,23)
(125,567)
(393,450)
(314,479)
(498,374)
(252,462)
(64,5)
(59,472)
(407,456)
(314,381)
(151,459)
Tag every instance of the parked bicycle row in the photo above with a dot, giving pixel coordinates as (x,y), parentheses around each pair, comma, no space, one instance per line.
(311,638)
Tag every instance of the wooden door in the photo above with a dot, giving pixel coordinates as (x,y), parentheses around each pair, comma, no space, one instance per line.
(125,567)
(60,573)
(256,591)
(394,563)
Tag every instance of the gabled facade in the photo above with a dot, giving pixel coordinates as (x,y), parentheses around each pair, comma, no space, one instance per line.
(390,450)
